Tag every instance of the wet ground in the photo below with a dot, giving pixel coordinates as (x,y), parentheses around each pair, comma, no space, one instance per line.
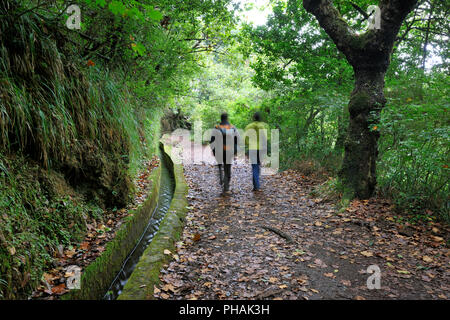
(237,246)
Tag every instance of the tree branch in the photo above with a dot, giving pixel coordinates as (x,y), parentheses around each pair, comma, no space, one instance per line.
(376,43)
(365,15)
(334,25)
(393,13)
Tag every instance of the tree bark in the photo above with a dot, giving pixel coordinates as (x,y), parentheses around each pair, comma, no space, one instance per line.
(358,172)
(369,55)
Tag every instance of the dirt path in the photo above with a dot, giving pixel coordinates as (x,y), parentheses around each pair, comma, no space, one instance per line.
(227,252)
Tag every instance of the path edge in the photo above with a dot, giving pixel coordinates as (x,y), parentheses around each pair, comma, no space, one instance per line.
(145,276)
(98,276)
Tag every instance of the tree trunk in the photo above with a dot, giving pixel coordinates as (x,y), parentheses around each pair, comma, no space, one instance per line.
(358,171)
(369,54)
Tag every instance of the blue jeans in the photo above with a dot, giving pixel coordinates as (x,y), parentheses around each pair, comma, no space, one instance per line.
(256,169)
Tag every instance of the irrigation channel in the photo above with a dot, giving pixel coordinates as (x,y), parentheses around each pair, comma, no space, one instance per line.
(167,186)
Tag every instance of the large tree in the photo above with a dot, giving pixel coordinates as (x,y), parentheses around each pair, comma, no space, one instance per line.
(369,54)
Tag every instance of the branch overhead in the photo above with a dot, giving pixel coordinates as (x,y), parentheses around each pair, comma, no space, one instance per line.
(331,21)
(375,43)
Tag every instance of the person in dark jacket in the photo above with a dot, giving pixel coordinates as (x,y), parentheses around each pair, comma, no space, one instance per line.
(224,141)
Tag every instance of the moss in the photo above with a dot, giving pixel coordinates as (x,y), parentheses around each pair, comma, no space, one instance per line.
(359,102)
(359,42)
(146,275)
(99,275)
(347,196)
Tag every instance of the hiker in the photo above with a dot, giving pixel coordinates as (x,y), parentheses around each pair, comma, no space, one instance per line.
(224,140)
(256,140)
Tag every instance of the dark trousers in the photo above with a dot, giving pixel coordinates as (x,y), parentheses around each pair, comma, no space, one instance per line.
(256,170)
(225,176)
(255,159)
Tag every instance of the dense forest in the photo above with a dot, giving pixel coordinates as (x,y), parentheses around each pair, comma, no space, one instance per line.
(82,107)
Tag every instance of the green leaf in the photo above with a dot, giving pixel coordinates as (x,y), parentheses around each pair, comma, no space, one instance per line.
(117,7)
(139,48)
(155,14)
(101,3)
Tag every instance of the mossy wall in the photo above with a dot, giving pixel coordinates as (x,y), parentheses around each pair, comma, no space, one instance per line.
(146,274)
(99,275)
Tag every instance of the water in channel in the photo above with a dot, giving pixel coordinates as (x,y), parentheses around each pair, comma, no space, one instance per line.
(165,197)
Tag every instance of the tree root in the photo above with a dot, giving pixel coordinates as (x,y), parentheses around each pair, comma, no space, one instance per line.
(285,236)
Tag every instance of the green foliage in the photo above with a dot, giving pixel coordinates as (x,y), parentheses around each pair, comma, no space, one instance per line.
(330,190)
(39,212)
(85,105)
(414,148)
(224,86)
(309,84)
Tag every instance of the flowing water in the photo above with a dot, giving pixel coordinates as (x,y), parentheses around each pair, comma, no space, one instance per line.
(166,190)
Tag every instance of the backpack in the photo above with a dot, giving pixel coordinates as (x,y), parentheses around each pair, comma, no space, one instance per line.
(228,132)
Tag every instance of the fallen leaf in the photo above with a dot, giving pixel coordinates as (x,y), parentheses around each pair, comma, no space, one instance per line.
(164,296)
(346,283)
(320,263)
(69,274)
(69,253)
(168,287)
(49,277)
(403,271)
(298,252)
(426,278)
(437,239)
(84,245)
(273,280)
(366,253)
(435,230)
(59,289)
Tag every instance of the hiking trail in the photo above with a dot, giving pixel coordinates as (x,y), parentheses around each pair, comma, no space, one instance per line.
(280,243)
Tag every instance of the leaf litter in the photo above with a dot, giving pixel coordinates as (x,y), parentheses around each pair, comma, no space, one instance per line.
(225,254)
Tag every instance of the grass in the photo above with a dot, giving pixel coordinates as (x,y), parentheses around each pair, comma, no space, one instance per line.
(71,117)
(71,138)
(38,214)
